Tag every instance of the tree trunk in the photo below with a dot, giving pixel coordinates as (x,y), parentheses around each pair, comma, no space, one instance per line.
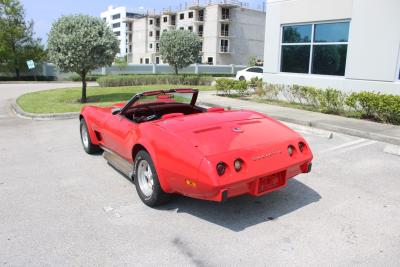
(83,76)
(17,74)
(176,70)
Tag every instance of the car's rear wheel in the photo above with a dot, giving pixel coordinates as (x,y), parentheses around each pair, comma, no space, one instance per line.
(242,78)
(146,180)
(88,146)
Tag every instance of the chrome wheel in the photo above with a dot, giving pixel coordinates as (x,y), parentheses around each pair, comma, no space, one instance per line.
(85,136)
(145,178)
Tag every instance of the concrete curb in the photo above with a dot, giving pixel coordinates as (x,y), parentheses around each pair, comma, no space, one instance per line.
(33,116)
(330,127)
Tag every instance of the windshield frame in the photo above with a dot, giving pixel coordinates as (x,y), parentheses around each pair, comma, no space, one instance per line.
(137,97)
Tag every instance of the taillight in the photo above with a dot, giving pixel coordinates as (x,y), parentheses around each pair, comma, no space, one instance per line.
(238,164)
(290,150)
(302,147)
(221,168)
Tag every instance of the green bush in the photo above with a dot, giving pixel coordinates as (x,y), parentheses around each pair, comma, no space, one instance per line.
(77,78)
(225,86)
(376,106)
(132,80)
(332,100)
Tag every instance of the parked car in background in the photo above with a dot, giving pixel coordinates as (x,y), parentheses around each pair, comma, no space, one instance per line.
(249,73)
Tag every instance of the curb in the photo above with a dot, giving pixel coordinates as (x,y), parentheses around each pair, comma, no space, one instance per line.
(334,128)
(50,116)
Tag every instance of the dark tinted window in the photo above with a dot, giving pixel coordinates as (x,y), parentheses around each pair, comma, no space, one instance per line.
(182,16)
(165,19)
(329,59)
(116,16)
(297,34)
(116,25)
(295,58)
(331,32)
(190,15)
(258,70)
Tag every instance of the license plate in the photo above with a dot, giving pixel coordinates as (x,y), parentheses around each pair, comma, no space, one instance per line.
(271,182)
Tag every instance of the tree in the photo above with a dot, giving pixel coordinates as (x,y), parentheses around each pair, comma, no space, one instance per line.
(81,43)
(179,48)
(17,44)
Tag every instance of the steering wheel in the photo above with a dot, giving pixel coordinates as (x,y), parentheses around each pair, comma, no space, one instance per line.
(150,117)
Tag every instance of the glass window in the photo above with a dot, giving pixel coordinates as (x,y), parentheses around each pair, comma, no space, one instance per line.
(324,54)
(116,16)
(151,22)
(147,61)
(190,15)
(150,33)
(257,70)
(116,25)
(182,16)
(165,19)
(329,59)
(190,28)
(297,34)
(331,32)
(295,58)
(117,33)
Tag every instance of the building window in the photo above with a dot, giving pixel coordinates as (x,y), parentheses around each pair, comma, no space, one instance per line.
(182,16)
(225,13)
(141,60)
(117,33)
(116,16)
(173,19)
(200,15)
(147,61)
(210,61)
(224,29)
(130,48)
(190,15)
(165,19)
(157,35)
(157,22)
(116,25)
(151,22)
(151,46)
(157,47)
(190,28)
(201,46)
(157,60)
(319,48)
(224,46)
(200,31)
(181,28)
(151,33)
(164,30)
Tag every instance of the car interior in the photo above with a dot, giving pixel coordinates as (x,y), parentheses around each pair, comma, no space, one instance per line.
(154,111)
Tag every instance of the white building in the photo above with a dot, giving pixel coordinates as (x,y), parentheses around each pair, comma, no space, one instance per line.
(343,44)
(231,33)
(115,19)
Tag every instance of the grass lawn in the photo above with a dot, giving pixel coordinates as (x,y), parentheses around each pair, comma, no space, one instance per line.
(67,99)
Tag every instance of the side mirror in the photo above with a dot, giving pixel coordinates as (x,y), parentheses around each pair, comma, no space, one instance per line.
(115,111)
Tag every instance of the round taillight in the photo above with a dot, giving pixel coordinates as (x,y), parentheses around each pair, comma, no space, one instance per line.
(238,164)
(221,168)
(290,150)
(301,146)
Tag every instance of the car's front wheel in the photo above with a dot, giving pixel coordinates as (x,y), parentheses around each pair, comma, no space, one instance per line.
(146,180)
(88,146)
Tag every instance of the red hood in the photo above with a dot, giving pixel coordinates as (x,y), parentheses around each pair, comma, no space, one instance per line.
(219,132)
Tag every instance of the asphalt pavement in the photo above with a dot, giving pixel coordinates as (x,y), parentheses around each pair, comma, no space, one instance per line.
(62,207)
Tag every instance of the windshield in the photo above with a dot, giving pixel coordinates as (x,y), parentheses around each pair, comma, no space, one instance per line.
(186,96)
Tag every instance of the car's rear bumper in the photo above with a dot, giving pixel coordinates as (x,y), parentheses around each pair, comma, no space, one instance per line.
(255,186)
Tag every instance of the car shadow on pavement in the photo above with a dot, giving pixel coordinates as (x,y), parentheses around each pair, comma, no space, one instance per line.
(242,212)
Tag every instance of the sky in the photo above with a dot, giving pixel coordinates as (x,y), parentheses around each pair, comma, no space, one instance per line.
(45,12)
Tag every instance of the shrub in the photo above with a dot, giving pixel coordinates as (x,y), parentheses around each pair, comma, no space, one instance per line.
(227,85)
(332,100)
(132,80)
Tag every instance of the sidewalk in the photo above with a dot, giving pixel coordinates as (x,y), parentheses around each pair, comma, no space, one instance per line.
(361,128)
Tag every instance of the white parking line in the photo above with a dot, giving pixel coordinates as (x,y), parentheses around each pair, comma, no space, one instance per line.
(358,146)
(358,141)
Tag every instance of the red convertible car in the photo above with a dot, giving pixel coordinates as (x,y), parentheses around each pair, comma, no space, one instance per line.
(168,145)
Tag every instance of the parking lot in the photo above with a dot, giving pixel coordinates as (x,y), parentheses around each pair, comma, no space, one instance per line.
(60,206)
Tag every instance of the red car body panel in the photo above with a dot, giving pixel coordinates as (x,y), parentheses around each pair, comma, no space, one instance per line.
(186,149)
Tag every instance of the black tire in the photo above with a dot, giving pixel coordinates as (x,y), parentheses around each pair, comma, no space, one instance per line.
(242,78)
(89,147)
(158,196)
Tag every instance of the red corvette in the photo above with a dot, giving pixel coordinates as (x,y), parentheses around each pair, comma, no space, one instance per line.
(167,145)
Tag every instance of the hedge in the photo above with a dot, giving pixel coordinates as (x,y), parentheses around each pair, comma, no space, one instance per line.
(367,105)
(132,80)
